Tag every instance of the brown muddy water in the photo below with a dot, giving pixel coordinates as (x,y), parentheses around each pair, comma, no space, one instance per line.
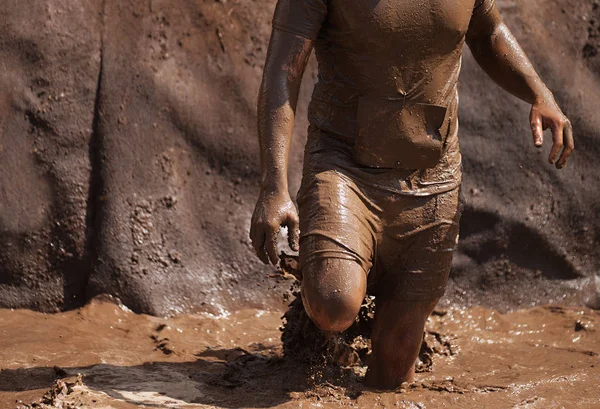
(105,356)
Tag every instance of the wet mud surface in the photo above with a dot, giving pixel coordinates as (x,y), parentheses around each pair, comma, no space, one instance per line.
(105,356)
(101,199)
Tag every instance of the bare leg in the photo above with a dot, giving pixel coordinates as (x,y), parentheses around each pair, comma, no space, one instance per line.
(396,341)
(332,292)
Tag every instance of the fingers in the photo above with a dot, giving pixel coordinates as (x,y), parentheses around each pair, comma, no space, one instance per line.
(537,129)
(557,137)
(257,236)
(264,241)
(271,244)
(545,116)
(293,232)
(569,145)
(268,218)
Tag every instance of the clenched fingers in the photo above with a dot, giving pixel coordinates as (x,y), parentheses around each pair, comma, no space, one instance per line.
(271,236)
(257,236)
(293,232)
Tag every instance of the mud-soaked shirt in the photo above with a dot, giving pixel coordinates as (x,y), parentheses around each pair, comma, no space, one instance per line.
(386,47)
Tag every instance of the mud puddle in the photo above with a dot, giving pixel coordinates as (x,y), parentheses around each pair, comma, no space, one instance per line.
(104,356)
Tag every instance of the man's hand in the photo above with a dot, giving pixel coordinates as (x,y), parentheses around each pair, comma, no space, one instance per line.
(546,114)
(273,210)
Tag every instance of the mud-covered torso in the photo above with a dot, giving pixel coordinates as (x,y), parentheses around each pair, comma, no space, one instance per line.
(409,49)
(421,26)
(387,45)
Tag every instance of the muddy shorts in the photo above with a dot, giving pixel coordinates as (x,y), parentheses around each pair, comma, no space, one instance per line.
(403,242)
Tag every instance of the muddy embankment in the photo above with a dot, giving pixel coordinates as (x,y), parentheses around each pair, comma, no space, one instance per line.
(129,158)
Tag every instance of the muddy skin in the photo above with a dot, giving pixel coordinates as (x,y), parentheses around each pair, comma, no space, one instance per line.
(387,94)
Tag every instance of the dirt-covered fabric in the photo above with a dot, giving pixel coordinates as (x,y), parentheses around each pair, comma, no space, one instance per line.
(403,243)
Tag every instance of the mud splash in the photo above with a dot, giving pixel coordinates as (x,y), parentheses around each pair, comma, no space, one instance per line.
(105,356)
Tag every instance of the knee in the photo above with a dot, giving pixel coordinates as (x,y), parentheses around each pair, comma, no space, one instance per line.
(333,294)
(333,312)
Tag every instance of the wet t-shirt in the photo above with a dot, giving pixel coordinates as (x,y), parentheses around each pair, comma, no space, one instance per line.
(412,49)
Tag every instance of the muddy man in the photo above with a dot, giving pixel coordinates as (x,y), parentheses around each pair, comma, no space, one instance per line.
(379,203)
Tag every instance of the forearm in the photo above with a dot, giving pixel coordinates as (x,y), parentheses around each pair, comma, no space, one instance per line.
(275,125)
(278,96)
(499,54)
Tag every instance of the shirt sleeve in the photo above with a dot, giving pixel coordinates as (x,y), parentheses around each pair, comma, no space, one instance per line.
(483,7)
(482,16)
(300,17)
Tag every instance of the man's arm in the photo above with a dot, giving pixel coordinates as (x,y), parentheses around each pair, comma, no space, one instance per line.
(497,51)
(286,61)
